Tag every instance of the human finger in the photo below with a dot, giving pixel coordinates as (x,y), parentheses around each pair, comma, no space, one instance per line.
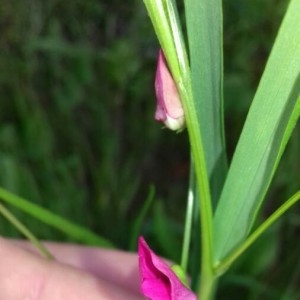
(27,276)
(117,266)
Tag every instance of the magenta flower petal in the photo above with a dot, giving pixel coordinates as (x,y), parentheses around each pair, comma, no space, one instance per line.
(159,282)
(169,109)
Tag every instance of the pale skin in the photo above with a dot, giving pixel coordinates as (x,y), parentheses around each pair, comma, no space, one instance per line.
(77,273)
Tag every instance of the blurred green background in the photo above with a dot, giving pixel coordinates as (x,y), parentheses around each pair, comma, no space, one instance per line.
(77,134)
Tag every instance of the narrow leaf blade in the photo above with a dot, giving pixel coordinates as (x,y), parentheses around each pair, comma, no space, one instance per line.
(272,116)
(204,27)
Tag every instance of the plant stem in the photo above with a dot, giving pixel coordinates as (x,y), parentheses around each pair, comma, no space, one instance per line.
(207,275)
(207,278)
(164,16)
(184,85)
(207,287)
(25,231)
(188,219)
(224,264)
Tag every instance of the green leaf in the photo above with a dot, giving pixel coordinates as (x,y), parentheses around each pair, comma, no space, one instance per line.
(258,232)
(204,27)
(272,116)
(77,232)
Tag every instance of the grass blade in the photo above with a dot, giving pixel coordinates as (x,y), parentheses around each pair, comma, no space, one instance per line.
(25,231)
(272,116)
(204,27)
(77,232)
(258,232)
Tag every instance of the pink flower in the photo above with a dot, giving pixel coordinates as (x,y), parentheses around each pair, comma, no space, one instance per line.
(159,282)
(169,108)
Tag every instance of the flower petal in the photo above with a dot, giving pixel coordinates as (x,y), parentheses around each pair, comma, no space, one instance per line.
(159,282)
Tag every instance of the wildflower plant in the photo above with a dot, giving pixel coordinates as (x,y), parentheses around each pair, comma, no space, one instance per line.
(229,198)
(226,198)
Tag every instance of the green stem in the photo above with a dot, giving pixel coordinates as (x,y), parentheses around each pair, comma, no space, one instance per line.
(225,264)
(166,23)
(25,231)
(188,219)
(207,277)
(184,85)
(207,287)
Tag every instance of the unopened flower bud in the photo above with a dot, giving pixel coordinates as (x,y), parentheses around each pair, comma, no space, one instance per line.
(169,109)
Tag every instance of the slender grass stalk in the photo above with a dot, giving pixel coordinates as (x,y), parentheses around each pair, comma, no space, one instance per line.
(207,277)
(225,264)
(25,231)
(188,220)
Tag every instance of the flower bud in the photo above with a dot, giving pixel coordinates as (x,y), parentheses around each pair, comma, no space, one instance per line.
(169,109)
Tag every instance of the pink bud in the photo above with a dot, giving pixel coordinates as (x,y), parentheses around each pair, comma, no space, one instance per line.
(159,282)
(169,109)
